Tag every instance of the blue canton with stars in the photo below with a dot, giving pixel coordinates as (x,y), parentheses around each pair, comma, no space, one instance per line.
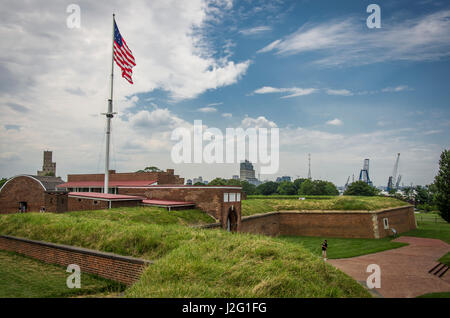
(117,36)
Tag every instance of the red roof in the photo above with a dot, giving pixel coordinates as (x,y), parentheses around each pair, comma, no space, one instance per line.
(166,202)
(100,184)
(107,196)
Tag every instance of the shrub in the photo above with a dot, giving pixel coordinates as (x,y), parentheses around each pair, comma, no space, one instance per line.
(360,188)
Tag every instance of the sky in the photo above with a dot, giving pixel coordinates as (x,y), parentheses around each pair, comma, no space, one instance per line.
(334,87)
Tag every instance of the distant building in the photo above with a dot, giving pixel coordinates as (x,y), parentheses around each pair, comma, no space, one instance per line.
(235,177)
(247,173)
(284,178)
(48,167)
(199,179)
(188,182)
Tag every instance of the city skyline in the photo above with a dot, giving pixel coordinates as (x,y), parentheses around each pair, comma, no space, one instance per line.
(334,88)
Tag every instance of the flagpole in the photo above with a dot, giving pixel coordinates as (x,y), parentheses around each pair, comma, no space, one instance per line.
(109,115)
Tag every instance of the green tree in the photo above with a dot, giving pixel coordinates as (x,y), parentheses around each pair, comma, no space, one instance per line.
(218,182)
(317,187)
(235,182)
(442,182)
(2,182)
(150,169)
(267,188)
(298,183)
(360,188)
(286,188)
(248,188)
(199,184)
(422,195)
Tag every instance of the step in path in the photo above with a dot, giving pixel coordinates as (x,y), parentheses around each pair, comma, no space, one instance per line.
(405,271)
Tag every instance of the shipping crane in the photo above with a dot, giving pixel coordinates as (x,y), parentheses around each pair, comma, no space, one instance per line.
(364,173)
(346,184)
(392,181)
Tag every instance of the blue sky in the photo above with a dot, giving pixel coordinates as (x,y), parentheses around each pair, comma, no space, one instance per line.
(334,87)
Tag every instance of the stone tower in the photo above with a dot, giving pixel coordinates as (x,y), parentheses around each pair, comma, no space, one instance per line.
(49,167)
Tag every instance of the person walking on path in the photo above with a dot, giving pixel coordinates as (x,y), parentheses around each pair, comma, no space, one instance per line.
(324,250)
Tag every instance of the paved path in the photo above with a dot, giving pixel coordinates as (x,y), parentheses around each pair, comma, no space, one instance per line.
(404,270)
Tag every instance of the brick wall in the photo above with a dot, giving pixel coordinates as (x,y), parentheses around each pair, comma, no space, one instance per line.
(167,177)
(21,189)
(56,202)
(266,224)
(351,224)
(401,219)
(207,199)
(80,204)
(111,266)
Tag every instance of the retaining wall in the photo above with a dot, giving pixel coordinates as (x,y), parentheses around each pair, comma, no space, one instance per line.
(119,268)
(346,224)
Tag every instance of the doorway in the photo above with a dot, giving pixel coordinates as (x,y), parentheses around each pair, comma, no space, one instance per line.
(232,220)
(23,207)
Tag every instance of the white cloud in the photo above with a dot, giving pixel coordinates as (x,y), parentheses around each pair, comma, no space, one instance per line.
(207,110)
(432,132)
(334,122)
(346,42)
(227,115)
(259,122)
(339,92)
(57,78)
(215,104)
(256,30)
(293,91)
(396,89)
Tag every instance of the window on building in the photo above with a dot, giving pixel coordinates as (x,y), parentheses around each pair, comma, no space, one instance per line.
(225,197)
(232,197)
(238,197)
(95,202)
(386,223)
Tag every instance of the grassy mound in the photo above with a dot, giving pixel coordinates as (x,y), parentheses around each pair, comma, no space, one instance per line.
(338,203)
(193,262)
(221,264)
(148,215)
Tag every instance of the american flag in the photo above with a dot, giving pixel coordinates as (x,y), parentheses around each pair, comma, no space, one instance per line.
(122,55)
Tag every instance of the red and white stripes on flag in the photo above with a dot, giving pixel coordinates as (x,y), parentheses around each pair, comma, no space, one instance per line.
(122,55)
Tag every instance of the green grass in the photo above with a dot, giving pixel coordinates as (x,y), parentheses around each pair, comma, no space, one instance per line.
(291,197)
(343,247)
(25,277)
(191,262)
(430,225)
(148,215)
(221,264)
(445,259)
(337,203)
(436,295)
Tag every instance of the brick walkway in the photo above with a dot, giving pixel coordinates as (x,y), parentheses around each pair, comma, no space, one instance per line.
(404,271)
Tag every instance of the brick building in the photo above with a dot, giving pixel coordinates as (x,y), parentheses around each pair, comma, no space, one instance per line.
(95,182)
(28,193)
(85,192)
